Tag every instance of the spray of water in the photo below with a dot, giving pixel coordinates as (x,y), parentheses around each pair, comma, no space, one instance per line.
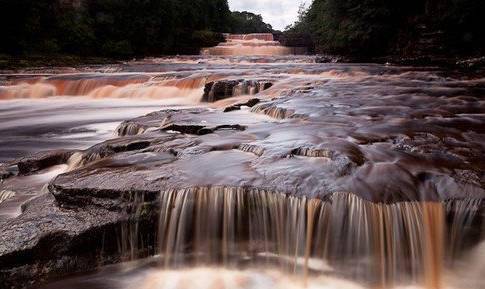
(249,44)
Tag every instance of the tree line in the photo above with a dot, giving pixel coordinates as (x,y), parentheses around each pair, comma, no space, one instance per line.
(119,28)
(373,27)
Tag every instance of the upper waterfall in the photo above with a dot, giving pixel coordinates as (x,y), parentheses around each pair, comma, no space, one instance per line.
(250,44)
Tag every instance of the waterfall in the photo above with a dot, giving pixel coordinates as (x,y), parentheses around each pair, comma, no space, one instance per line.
(249,44)
(384,245)
(108,86)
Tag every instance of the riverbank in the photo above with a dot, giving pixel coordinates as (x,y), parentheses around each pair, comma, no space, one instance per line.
(12,63)
(470,63)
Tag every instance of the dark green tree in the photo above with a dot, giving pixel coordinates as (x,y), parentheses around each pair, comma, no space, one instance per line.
(246,22)
(375,27)
(113,28)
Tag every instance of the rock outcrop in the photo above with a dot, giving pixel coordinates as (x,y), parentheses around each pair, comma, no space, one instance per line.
(49,241)
(223,89)
(250,103)
(34,163)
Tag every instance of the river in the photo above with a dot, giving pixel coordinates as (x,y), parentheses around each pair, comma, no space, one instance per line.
(274,171)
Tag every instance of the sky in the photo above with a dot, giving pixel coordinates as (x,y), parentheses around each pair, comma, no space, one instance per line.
(278,13)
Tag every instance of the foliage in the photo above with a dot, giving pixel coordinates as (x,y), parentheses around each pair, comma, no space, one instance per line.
(206,38)
(246,22)
(369,27)
(299,34)
(114,28)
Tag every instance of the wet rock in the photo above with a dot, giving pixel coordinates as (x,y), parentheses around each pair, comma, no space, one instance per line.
(78,225)
(155,120)
(344,163)
(330,59)
(187,129)
(144,123)
(469,177)
(237,106)
(272,110)
(223,89)
(8,170)
(129,128)
(230,127)
(215,91)
(201,130)
(333,156)
(42,160)
(47,241)
(110,148)
(472,63)
(313,152)
(254,149)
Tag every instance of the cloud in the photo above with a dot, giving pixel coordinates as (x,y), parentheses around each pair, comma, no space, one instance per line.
(278,13)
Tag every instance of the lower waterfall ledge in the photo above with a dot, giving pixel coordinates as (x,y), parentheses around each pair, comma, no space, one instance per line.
(50,239)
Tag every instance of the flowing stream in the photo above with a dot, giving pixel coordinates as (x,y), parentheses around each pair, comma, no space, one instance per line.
(417,222)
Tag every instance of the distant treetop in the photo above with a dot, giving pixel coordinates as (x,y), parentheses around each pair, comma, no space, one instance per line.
(246,22)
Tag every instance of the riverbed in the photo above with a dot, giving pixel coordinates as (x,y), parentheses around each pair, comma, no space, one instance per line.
(242,172)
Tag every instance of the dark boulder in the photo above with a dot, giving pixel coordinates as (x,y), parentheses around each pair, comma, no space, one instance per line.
(42,160)
(218,90)
(237,106)
(201,130)
(330,59)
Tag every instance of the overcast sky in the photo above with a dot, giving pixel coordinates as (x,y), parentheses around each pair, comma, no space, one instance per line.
(278,13)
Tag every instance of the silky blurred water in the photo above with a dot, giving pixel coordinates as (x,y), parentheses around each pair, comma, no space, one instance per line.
(32,125)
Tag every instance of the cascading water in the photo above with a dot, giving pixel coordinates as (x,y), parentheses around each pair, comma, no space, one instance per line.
(381,245)
(354,243)
(251,44)
(197,189)
(102,86)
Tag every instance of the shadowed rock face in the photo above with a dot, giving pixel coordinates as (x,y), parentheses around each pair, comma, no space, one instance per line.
(223,89)
(40,161)
(250,103)
(34,163)
(385,135)
(48,240)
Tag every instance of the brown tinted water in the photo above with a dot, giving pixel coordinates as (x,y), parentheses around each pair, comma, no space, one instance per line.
(347,176)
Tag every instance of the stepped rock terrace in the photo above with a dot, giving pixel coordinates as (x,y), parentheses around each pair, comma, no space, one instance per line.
(347,175)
